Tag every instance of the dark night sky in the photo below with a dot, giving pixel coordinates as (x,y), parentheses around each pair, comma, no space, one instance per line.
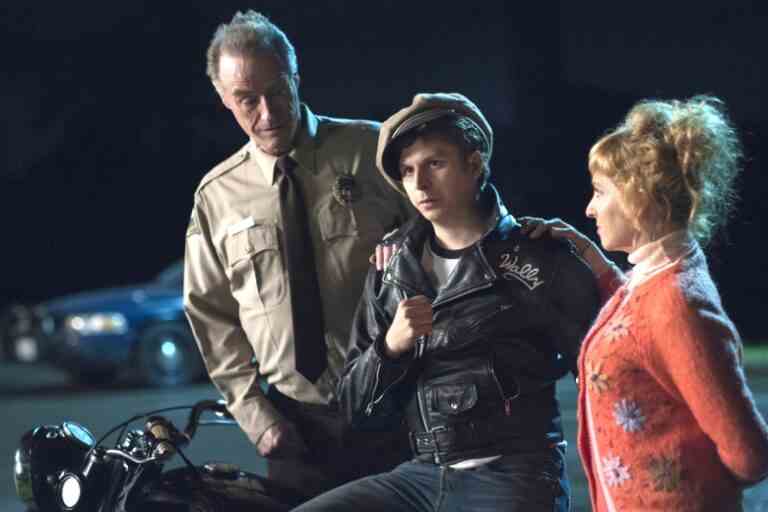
(110,122)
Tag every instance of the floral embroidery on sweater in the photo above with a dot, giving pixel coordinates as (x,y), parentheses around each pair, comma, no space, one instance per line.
(628,415)
(615,473)
(617,328)
(666,473)
(596,379)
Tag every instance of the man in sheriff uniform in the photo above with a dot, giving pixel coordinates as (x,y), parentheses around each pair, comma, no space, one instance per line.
(276,254)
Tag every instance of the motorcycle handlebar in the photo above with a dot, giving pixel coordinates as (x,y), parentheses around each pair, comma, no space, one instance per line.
(114,452)
(218,407)
(167,436)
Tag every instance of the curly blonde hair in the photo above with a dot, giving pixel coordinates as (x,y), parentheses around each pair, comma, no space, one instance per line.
(678,159)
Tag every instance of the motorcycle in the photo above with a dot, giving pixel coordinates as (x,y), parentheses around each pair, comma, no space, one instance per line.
(63,468)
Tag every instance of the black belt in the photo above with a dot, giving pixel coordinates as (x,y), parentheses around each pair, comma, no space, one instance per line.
(475,435)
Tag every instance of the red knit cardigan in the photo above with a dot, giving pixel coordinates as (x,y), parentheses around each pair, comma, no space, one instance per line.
(674,424)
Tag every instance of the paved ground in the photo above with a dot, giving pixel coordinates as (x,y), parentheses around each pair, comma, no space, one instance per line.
(34,395)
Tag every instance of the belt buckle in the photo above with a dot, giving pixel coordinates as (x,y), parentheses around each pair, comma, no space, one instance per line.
(425,442)
(435,445)
(433,436)
(412,442)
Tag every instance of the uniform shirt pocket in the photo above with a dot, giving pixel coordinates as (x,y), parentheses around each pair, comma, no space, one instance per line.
(256,269)
(365,219)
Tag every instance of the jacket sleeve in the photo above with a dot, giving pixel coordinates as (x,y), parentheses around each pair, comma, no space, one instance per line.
(213,315)
(576,301)
(695,352)
(366,390)
(610,281)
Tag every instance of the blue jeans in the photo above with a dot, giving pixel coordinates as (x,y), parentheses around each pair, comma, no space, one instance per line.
(529,482)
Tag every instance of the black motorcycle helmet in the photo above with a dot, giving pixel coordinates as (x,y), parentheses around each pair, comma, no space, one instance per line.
(47,464)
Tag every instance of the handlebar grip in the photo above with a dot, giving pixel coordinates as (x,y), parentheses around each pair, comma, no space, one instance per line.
(166,435)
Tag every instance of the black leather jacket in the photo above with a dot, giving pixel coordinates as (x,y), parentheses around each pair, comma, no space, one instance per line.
(506,326)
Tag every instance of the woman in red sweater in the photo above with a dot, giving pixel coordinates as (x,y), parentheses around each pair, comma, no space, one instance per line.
(666,420)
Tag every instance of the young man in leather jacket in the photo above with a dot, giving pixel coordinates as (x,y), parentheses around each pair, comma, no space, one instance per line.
(463,333)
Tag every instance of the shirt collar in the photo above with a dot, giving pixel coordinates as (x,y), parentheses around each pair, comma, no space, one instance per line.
(304,149)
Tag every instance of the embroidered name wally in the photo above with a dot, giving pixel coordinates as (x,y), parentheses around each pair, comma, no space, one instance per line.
(526,274)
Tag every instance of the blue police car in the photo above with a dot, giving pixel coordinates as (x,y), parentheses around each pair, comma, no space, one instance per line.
(96,335)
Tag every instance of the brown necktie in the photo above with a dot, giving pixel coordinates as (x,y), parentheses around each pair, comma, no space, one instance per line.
(306,304)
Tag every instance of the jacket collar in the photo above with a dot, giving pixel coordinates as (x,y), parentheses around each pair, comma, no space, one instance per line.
(503,222)
(473,272)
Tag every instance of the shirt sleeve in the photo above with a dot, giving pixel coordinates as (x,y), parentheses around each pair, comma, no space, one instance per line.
(213,315)
(696,352)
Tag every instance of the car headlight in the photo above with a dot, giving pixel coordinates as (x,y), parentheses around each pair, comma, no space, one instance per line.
(97,323)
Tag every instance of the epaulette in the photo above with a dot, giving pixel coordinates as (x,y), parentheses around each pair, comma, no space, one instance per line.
(234,161)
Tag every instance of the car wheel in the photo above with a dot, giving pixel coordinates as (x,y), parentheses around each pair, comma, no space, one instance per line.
(168,355)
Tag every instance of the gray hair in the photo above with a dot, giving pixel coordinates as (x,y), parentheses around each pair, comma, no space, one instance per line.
(250,33)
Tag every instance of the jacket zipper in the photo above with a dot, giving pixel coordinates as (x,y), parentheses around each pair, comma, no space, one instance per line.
(420,402)
(372,402)
(507,400)
(423,414)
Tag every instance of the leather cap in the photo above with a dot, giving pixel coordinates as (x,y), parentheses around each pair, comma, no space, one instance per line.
(426,107)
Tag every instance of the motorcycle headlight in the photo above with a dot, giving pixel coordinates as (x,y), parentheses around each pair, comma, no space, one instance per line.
(47,465)
(70,491)
(97,323)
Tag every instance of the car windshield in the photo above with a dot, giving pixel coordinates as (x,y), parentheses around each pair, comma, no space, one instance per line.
(172,276)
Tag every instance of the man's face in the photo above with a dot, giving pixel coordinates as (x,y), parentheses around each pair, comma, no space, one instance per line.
(263,98)
(439,180)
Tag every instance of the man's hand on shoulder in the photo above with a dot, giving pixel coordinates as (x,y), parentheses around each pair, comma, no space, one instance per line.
(384,251)
(382,254)
(281,440)
(585,248)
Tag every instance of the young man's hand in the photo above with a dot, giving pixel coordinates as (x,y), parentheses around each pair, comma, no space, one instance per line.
(413,319)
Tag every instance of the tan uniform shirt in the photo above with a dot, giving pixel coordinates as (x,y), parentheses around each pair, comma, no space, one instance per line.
(235,283)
